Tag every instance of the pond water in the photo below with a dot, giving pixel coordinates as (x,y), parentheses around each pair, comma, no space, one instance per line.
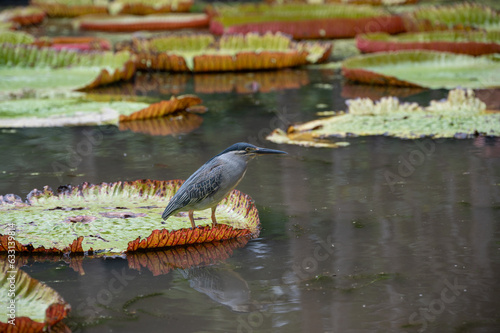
(384,235)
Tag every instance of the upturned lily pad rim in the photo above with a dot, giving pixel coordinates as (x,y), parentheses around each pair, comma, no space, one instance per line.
(85,212)
(31,292)
(465,42)
(366,68)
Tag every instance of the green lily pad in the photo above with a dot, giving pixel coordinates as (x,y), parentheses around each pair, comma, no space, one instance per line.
(203,53)
(118,217)
(304,21)
(26,68)
(460,116)
(457,16)
(466,42)
(16,37)
(37,306)
(424,69)
(82,110)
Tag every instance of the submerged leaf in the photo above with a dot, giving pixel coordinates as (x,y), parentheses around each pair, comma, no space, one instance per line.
(424,69)
(460,116)
(49,223)
(37,306)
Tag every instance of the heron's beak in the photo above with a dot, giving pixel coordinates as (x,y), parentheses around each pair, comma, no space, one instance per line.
(265,151)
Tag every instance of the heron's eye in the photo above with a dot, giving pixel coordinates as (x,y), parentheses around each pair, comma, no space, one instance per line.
(248,150)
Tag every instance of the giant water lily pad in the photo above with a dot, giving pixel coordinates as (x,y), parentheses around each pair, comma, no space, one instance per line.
(146,7)
(203,53)
(304,21)
(424,69)
(457,16)
(148,22)
(466,42)
(23,15)
(86,110)
(118,217)
(28,68)
(37,306)
(460,116)
(71,8)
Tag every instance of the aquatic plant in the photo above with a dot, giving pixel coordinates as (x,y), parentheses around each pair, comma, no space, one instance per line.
(122,23)
(29,68)
(461,16)
(88,110)
(204,53)
(465,42)
(304,21)
(37,307)
(146,7)
(420,68)
(71,8)
(461,115)
(23,15)
(117,217)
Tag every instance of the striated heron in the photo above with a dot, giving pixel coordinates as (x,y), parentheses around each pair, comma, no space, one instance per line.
(214,180)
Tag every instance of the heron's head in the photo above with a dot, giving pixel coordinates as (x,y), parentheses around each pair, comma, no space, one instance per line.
(249,151)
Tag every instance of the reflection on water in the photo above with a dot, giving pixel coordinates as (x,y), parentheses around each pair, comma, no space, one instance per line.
(384,235)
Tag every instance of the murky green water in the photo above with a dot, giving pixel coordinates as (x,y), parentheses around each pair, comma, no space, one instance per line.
(384,235)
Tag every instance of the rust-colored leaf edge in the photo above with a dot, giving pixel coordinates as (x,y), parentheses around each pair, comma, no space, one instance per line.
(162,108)
(296,55)
(161,262)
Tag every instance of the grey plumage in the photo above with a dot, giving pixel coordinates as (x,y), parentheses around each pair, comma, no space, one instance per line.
(207,186)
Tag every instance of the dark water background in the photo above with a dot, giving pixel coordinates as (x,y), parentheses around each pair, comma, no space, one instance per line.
(384,235)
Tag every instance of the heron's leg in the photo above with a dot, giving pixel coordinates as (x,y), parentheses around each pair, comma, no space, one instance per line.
(214,220)
(191,218)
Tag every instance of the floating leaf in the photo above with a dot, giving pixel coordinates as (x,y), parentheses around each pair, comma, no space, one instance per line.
(354,2)
(180,122)
(146,7)
(16,37)
(37,306)
(424,69)
(460,116)
(28,68)
(148,22)
(85,110)
(202,53)
(71,8)
(465,42)
(78,43)
(462,16)
(304,21)
(73,219)
(23,15)
(162,108)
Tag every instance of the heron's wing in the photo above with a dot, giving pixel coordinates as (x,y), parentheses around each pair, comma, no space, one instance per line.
(201,185)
